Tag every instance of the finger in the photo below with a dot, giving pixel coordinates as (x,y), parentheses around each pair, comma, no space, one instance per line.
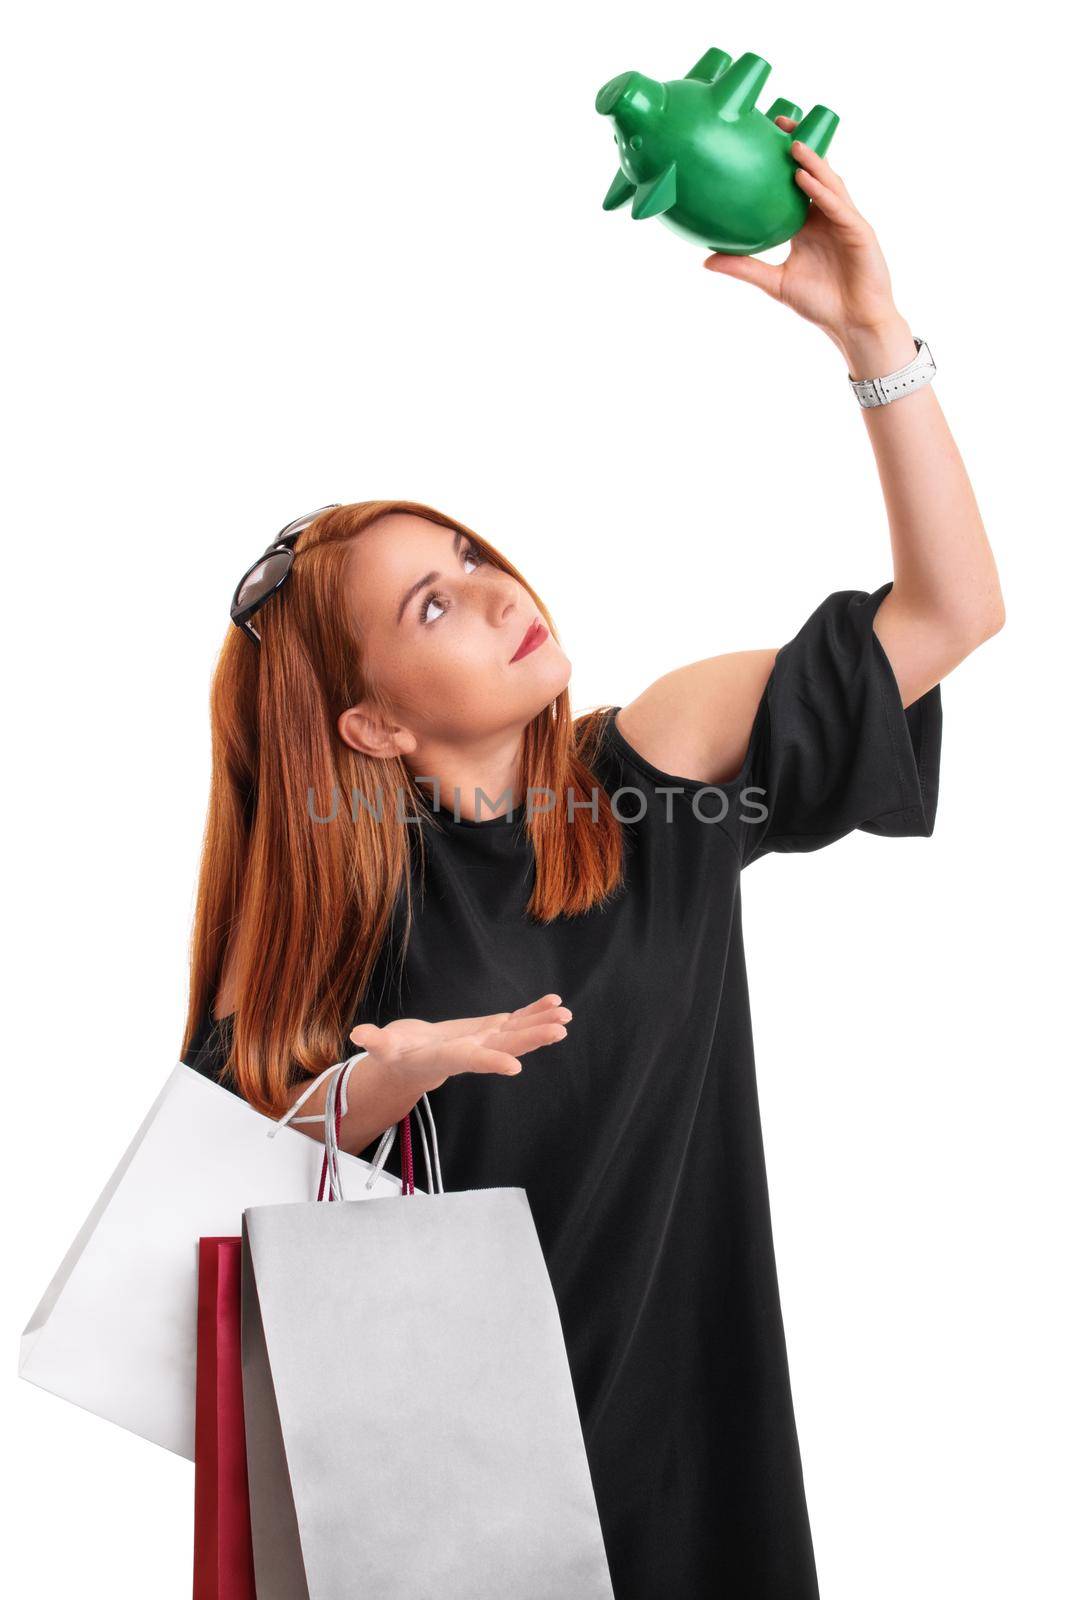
(458,1027)
(798,147)
(368,1035)
(762,273)
(480,1058)
(520,1043)
(486,1057)
(837,207)
(817,165)
(534,1005)
(820,168)
(544,1014)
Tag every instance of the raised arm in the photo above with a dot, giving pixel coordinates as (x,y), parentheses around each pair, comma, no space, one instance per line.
(946,598)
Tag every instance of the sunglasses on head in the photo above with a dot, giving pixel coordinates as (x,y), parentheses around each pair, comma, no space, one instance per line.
(266,576)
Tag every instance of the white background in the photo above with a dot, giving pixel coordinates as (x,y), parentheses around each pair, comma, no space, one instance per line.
(264,257)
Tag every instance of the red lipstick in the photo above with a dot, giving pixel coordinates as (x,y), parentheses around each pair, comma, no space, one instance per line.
(535,634)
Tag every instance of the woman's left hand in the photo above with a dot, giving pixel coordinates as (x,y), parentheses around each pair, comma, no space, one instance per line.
(835,274)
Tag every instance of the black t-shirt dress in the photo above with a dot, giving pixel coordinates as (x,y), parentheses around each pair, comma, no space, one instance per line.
(638,1138)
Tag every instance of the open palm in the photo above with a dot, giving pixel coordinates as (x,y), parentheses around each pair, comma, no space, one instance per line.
(424,1054)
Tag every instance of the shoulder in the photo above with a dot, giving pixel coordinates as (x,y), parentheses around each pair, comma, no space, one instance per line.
(696,721)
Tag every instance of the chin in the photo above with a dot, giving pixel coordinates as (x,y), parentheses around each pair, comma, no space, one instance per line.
(550,686)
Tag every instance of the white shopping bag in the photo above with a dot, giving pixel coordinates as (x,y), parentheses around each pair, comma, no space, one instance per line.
(410,1416)
(115,1331)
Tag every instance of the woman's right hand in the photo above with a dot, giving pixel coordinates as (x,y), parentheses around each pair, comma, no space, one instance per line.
(421,1055)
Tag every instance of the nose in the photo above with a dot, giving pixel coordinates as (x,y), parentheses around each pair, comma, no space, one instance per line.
(503,595)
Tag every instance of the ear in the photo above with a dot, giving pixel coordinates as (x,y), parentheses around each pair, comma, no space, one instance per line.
(365,729)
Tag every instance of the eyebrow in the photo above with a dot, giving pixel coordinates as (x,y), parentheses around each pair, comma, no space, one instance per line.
(431,577)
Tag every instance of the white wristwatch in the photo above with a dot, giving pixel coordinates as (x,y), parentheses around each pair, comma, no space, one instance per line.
(881,391)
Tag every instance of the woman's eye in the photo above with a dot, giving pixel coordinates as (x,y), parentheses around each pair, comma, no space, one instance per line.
(469,554)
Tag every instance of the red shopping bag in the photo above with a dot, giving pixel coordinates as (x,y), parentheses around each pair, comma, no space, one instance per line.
(222,1535)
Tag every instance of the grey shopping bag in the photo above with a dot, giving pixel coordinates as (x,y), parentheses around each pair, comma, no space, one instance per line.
(410,1415)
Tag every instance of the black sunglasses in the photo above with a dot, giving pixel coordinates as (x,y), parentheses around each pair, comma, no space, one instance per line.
(267,575)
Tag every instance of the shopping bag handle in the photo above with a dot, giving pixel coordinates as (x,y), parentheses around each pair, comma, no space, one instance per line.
(337,1107)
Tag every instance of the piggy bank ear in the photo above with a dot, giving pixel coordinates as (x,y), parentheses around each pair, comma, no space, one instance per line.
(655,196)
(621,190)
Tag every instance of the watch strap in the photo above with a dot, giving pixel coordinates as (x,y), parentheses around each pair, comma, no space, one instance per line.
(882,391)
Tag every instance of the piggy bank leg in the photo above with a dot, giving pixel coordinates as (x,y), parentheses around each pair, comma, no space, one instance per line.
(737,91)
(712,65)
(817,129)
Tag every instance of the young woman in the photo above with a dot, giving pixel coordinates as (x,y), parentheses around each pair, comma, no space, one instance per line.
(379,705)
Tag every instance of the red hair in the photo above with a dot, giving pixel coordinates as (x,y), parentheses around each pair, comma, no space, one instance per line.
(308,906)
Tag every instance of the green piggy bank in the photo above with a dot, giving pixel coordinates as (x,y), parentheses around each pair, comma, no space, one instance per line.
(696,153)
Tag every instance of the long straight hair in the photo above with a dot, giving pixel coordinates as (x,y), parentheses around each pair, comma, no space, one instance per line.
(310,907)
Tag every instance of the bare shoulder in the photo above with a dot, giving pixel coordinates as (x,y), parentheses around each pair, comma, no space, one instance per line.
(695,722)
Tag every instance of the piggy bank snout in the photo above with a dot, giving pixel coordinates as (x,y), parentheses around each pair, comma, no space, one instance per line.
(630,91)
